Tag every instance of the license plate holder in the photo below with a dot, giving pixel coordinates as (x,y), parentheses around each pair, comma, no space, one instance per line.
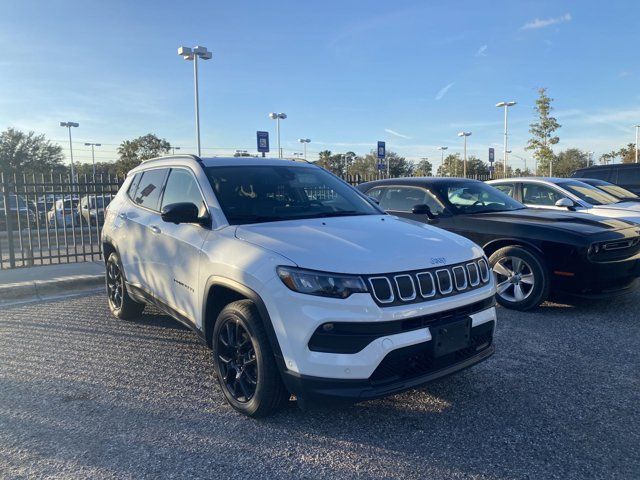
(451,337)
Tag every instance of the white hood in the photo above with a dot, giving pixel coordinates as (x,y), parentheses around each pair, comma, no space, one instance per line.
(360,244)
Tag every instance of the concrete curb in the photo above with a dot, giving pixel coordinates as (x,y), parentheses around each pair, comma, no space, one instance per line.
(44,289)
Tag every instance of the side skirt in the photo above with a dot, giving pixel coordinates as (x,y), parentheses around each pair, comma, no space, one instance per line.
(143,295)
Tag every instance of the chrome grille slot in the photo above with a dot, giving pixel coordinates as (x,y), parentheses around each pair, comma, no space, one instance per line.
(382,290)
(474,274)
(406,287)
(445,282)
(426,284)
(459,277)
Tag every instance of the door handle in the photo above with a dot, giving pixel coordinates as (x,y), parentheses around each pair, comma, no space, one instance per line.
(155,229)
(123,216)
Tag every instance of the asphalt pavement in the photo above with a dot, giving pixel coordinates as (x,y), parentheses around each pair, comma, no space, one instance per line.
(83,395)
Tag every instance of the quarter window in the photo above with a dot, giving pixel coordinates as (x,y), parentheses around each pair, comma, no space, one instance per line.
(181,187)
(149,188)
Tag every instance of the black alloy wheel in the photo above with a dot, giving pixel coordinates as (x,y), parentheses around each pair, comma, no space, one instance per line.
(236,358)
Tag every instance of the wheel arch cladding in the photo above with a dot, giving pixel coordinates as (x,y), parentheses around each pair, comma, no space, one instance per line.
(220,292)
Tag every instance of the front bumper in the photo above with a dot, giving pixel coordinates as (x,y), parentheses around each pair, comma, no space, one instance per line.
(401,370)
(296,319)
(590,279)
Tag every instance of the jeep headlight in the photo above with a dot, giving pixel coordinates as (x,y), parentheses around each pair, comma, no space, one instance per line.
(323,284)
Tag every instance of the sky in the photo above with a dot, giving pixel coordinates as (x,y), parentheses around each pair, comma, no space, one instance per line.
(347,73)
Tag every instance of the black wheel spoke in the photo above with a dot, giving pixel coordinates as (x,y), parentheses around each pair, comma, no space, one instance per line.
(236,360)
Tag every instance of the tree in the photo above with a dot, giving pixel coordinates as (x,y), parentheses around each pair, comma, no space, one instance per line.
(102,168)
(424,168)
(453,166)
(28,153)
(133,152)
(625,154)
(568,161)
(542,132)
(335,163)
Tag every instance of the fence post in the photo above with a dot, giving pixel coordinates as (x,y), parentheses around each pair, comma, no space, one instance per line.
(8,220)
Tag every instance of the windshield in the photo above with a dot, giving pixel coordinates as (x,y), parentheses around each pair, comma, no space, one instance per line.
(588,193)
(255,194)
(477,197)
(616,191)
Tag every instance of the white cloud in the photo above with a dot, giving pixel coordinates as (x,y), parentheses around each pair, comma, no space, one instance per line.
(482,51)
(396,134)
(443,91)
(542,23)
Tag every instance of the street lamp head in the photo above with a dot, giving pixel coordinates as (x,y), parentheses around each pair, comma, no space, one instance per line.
(443,148)
(273,115)
(511,103)
(69,124)
(304,140)
(506,104)
(282,115)
(184,51)
(464,134)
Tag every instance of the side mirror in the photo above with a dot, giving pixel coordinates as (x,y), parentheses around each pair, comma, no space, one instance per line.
(422,209)
(566,203)
(184,212)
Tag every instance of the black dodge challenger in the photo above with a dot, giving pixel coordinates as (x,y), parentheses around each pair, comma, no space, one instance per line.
(532,252)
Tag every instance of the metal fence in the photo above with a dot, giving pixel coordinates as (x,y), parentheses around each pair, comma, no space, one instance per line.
(50,219)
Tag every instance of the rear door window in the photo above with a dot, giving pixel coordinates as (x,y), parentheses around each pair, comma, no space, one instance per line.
(148,192)
(537,194)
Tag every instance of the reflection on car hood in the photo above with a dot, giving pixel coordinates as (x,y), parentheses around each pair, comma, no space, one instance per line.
(360,244)
(575,222)
(633,206)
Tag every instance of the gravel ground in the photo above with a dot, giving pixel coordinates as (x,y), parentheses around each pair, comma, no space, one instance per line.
(83,395)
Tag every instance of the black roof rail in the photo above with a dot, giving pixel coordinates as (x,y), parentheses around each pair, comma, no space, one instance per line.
(180,155)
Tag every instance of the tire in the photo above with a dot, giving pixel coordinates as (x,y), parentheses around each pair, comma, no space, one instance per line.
(244,362)
(122,306)
(522,278)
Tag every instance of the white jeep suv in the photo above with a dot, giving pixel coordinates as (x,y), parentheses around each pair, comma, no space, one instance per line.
(299,283)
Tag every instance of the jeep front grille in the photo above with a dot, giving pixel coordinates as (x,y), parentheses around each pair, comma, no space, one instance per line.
(420,285)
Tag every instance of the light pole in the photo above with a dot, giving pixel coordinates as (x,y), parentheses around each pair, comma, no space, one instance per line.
(637,137)
(277,117)
(193,54)
(442,149)
(589,158)
(506,106)
(173,150)
(69,125)
(464,161)
(304,142)
(93,156)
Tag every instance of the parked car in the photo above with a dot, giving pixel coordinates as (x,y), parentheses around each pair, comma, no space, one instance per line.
(626,175)
(63,213)
(296,281)
(567,194)
(622,194)
(18,211)
(91,208)
(532,252)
